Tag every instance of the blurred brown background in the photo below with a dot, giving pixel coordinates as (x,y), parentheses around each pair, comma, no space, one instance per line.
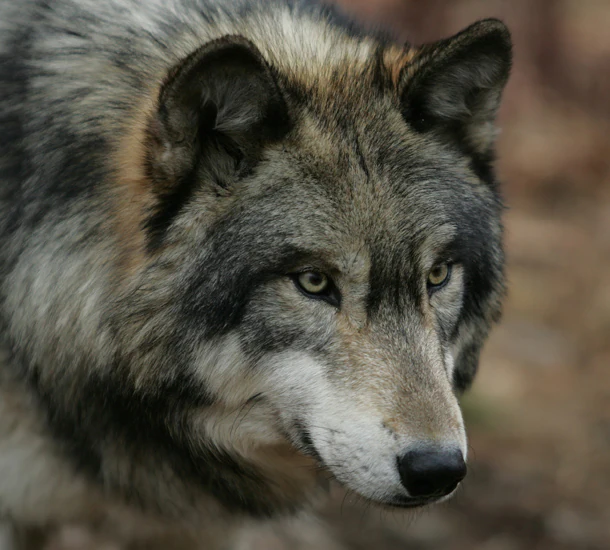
(539,412)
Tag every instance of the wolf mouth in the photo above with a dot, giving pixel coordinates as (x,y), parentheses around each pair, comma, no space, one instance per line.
(306,445)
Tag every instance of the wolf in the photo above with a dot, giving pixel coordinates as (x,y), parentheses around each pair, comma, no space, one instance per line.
(245,245)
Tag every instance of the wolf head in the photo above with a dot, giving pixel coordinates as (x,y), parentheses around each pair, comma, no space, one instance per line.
(337,235)
(307,260)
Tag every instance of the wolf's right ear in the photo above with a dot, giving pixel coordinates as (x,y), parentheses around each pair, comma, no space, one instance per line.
(453,87)
(216,111)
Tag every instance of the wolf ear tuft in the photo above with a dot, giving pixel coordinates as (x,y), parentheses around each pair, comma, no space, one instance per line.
(454,86)
(216,111)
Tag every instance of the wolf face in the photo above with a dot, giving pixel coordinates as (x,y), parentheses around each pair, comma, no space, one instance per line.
(297,259)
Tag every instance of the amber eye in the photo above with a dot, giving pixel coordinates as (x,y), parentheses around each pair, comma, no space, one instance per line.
(317,286)
(313,282)
(439,276)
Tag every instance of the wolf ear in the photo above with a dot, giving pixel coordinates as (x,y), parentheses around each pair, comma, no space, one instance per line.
(216,111)
(454,86)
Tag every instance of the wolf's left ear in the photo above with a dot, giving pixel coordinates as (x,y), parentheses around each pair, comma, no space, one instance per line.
(454,86)
(216,111)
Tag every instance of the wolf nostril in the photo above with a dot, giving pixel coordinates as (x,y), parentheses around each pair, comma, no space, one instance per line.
(431,472)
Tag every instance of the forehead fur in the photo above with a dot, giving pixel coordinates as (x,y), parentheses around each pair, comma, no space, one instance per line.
(309,49)
(350,142)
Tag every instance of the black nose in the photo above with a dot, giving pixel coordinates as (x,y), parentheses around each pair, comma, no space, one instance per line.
(431,472)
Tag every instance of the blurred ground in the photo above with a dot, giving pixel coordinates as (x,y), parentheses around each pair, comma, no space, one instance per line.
(539,413)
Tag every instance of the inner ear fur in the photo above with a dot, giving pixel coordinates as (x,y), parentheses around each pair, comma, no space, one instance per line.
(454,86)
(215,112)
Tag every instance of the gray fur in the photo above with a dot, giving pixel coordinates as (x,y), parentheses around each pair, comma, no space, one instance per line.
(154,208)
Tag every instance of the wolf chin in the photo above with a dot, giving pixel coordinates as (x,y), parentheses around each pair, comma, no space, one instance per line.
(242,244)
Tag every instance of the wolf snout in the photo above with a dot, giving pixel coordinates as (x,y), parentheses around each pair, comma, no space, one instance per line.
(431,472)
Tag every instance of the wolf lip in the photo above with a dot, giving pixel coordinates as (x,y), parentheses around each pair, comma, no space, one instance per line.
(405,502)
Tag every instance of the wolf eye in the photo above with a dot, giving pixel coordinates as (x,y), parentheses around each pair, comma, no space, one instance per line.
(439,276)
(317,285)
(313,282)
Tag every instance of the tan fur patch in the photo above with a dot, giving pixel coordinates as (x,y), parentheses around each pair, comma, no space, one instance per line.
(133,189)
(395,59)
